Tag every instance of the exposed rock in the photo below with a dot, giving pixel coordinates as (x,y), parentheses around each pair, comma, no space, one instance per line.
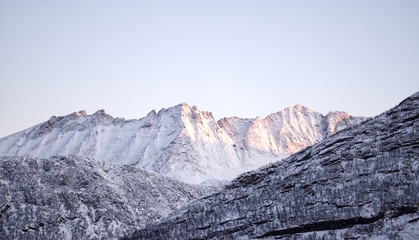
(80,198)
(358,184)
(180,142)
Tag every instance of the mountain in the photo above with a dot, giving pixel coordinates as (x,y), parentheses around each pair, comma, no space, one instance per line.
(80,198)
(361,183)
(181,142)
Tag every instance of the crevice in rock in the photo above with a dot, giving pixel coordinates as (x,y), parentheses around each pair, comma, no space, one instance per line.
(338,224)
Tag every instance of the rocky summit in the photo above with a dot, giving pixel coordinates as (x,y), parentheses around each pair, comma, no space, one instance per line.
(180,142)
(361,183)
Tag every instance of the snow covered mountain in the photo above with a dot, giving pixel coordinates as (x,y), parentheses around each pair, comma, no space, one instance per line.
(181,142)
(80,198)
(361,183)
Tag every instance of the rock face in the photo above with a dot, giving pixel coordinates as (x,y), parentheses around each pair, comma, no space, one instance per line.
(360,183)
(180,142)
(80,198)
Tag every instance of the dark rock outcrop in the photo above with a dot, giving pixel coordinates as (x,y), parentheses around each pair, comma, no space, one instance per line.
(360,183)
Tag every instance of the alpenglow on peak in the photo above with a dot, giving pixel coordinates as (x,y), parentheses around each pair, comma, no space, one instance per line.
(181,142)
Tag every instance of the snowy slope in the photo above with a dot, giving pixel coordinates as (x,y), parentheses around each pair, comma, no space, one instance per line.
(361,183)
(79,198)
(181,142)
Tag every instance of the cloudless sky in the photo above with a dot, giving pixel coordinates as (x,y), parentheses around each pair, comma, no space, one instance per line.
(242,58)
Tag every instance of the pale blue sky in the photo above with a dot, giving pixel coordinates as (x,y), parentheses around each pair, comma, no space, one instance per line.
(234,58)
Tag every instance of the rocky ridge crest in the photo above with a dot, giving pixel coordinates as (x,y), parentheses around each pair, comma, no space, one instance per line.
(360,183)
(181,142)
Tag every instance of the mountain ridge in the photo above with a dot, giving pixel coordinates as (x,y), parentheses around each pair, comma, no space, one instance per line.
(181,142)
(360,183)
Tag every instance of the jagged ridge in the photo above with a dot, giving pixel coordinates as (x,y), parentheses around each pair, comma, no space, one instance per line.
(359,183)
(180,142)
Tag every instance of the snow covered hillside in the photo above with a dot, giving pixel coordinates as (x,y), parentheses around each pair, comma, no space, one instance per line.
(80,198)
(361,183)
(181,142)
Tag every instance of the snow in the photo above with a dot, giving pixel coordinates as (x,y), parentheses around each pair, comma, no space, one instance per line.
(358,184)
(81,198)
(181,142)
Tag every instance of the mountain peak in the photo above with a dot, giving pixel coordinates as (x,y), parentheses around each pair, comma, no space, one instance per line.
(298,106)
(179,108)
(184,105)
(302,108)
(182,142)
(80,113)
(337,114)
(151,113)
(359,183)
(100,112)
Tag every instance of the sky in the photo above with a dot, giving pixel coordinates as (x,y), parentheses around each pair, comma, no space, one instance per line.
(243,58)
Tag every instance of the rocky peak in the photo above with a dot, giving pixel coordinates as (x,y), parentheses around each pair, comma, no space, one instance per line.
(301,108)
(360,183)
(100,112)
(151,114)
(179,142)
(52,120)
(81,113)
(338,120)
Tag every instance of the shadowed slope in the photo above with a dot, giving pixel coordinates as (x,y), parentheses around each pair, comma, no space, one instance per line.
(361,182)
(80,198)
